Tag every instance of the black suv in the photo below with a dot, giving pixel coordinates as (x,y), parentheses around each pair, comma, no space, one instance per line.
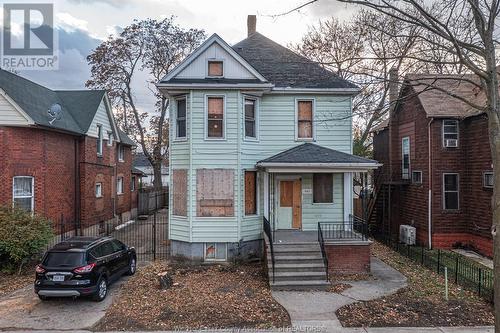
(83,266)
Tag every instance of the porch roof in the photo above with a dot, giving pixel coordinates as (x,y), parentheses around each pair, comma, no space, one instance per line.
(314,158)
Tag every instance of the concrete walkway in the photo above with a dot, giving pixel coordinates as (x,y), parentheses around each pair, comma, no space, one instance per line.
(317,309)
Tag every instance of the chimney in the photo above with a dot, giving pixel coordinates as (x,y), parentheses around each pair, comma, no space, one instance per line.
(393,88)
(251,24)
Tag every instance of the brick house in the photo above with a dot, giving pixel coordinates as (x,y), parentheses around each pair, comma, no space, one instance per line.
(62,155)
(437,170)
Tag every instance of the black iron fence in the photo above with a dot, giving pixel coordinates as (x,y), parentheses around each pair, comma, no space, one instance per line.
(269,234)
(321,241)
(461,270)
(353,229)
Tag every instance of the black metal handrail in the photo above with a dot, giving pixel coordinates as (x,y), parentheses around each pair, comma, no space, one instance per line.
(321,241)
(268,232)
(354,229)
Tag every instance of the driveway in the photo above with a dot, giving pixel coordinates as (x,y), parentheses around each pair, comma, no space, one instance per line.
(22,309)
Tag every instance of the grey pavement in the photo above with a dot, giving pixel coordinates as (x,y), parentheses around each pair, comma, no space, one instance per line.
(23,309)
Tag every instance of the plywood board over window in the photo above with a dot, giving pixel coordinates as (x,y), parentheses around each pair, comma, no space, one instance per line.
(179,190)
(305,119)
(215,192)
(250,192)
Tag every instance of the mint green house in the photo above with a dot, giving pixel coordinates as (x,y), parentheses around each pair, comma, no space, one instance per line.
(256,131)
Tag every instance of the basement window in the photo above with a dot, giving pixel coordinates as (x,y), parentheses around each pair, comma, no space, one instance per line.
(416,177)
(215,252)
(488,179)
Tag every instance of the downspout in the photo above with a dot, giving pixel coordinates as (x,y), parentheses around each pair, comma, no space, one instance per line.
(190,180)
(429,208)
(238,163)
(77,201)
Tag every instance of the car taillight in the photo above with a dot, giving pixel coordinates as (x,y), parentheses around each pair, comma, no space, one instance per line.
(39,269)
(84,269)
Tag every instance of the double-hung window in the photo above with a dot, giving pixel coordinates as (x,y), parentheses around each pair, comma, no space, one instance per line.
(121,153)
(110,138)
(305,119)
(215,117)
(98,190)
(180,119)
(132,184)
(99,140)
(450,191)
(250,118)
(23,192)
(450,133)
(405,158)
(119,185)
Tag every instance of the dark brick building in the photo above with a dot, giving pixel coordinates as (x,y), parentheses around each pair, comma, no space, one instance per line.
(62,155)
(437,169)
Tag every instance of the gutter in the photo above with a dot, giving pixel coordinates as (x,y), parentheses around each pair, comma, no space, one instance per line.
(429,208)
(177,86)
(329,91)
(373,165)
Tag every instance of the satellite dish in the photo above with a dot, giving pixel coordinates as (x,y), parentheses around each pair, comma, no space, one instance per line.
(54,112)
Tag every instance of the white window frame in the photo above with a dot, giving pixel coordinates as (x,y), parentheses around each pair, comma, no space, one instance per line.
(100,140)
(110,138)
(215,259)
(132,183)
(257,190)
(224,115)
(444,191)
(121,153)
(333,190)
(118,181)
(209,60)
(256,117)
(98,194)
(24,196)
(413,179)
(443,132)
(488,173)
(174,116)
(313,131)
(408,173)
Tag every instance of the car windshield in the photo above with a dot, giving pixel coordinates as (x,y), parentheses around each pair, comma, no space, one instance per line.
(63,259)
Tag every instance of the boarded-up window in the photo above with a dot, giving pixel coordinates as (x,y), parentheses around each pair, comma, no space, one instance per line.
(215,68)
(250,192)
(305,119)
(215,121)
(179,190)
(215,192)
(322,188)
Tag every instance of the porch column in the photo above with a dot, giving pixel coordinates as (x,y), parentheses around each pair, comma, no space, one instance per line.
(266,195)
(347,196)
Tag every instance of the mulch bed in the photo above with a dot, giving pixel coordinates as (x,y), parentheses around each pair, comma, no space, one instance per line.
(202,297)
(11,282)
(338,287)
(421,304)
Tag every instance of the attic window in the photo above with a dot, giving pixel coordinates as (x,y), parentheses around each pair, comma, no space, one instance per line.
(215,68)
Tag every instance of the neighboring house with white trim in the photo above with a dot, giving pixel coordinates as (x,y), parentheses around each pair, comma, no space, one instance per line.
(142,163)
(255,131)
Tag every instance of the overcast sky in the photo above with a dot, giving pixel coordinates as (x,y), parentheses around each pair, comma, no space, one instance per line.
(82,24)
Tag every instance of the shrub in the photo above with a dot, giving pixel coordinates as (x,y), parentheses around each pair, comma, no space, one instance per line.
(22,236)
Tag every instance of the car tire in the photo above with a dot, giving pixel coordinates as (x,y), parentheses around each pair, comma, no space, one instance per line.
(102,290)
(42,297)
(132,266)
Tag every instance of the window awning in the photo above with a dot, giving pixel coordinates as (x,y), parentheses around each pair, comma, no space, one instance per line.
(309,157)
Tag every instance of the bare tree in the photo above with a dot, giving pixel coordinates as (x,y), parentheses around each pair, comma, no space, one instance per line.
(154,47)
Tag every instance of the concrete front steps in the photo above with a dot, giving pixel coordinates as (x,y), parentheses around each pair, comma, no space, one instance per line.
(298,266)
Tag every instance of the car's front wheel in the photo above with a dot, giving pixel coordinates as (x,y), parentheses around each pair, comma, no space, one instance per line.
(132,266)
(102,289)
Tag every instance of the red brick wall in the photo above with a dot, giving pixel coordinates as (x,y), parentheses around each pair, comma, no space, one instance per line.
(47,156)
(348,259)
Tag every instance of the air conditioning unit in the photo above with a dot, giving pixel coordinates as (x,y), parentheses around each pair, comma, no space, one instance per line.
(407,234)
(451,143)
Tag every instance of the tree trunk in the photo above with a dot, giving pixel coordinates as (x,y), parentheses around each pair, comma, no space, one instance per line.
(495,205)
(157,183)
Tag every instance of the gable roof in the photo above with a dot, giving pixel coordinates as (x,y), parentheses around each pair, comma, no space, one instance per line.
(205,45)
(440,104)
(285,68)
(313,154)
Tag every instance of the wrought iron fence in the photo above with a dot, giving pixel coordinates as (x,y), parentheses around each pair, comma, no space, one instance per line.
(462,271)
(321,241)
(269,234)
(354,229)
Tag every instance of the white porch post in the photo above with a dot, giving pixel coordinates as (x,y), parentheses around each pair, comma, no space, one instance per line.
(347,195)
(266,195)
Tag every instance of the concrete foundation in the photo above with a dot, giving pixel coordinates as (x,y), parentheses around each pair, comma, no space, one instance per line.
(235,251)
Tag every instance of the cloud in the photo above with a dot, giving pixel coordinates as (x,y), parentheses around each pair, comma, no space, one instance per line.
(68,22)
(113,3)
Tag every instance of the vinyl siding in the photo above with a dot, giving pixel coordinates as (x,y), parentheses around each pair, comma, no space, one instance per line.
(101,117)
(9,116)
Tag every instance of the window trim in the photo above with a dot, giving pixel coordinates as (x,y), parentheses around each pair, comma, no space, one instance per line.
(421,177)
(256,117)
(122,189)
(257,197)
(132,183)
(313,130)
(100,191)
(32,192)
(121,153)
(442,133)
(215,259)
(208,61)
(484,179)
(444,192)
(100,145)
(403,160)
(333,190)
(206,137)
(110,138)
(174,116)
